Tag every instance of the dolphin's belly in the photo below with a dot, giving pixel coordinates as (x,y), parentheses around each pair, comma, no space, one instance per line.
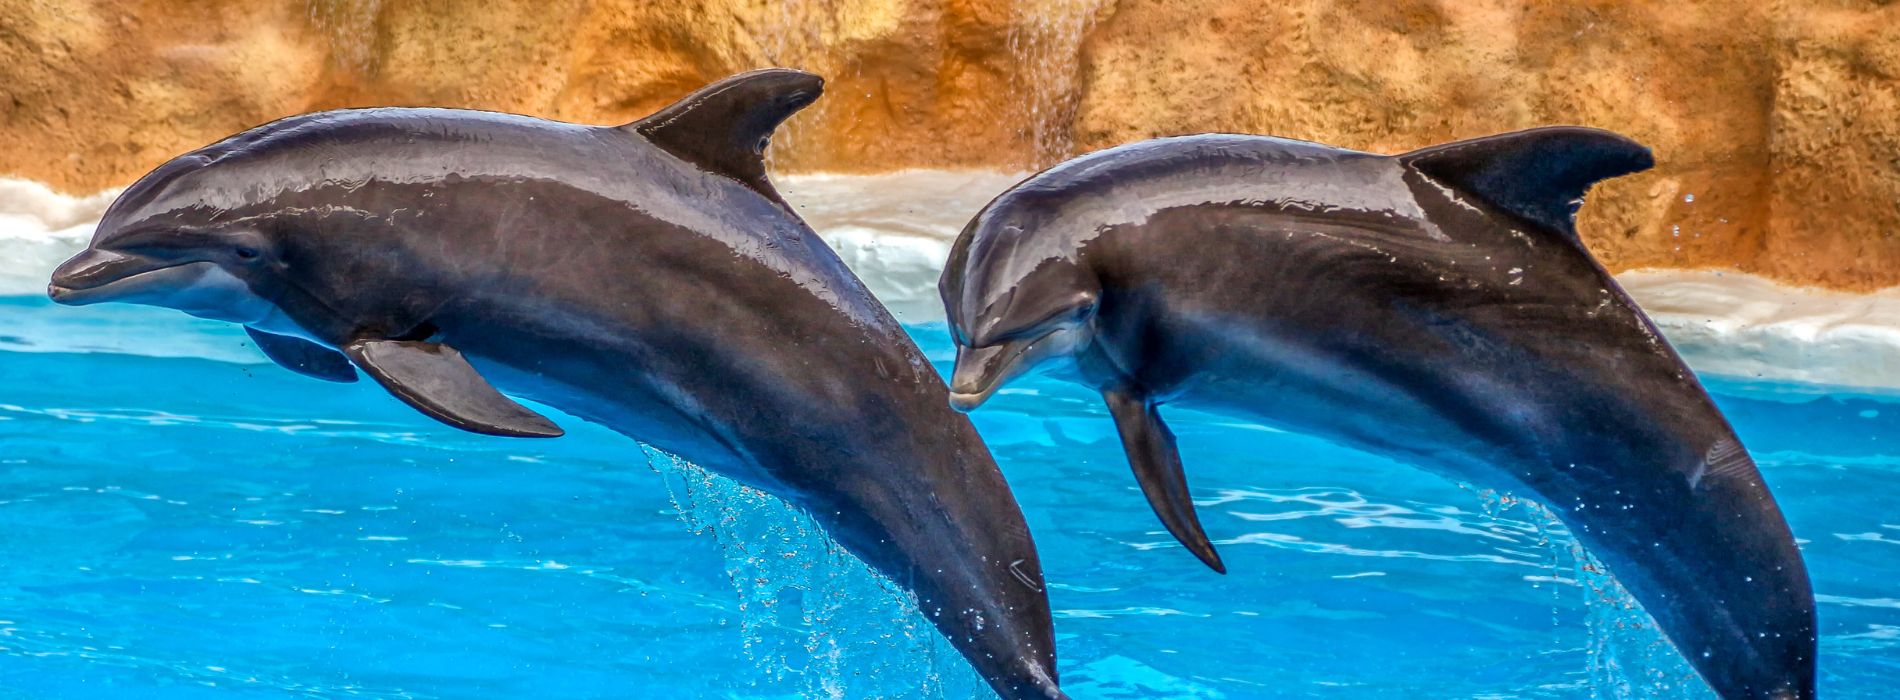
(603,396)
(1318,382)
(1354,411)
(1478,398)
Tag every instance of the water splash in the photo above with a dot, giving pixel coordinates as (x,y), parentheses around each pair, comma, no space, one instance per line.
(1628,657)
(1625,654)
(810,614)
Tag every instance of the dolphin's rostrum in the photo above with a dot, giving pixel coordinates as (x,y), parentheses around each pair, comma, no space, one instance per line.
(644,277)
(1437,307)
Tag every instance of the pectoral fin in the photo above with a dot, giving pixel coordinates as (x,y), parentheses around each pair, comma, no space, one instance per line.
(303,357)
(1157,464)
(436,380)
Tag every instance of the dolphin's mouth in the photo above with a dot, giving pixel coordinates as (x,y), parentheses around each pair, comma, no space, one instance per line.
(980,372)
(96,276)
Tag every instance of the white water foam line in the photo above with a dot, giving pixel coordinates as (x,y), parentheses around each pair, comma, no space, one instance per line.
(1741,326)
(39,228)
(895,230)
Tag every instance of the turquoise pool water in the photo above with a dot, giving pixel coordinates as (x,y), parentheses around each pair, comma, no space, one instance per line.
(180,520)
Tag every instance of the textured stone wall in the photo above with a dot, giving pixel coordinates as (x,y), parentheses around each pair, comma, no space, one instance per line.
(1776,125)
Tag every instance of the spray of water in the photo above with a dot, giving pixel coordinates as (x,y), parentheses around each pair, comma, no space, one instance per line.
(1628,657)
(811,615)
(1625,656)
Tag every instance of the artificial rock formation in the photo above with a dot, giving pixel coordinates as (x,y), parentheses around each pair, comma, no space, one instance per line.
(1776,125)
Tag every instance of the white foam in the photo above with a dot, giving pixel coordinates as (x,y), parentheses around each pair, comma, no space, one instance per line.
(38,229)
(1737,325)
(895,230)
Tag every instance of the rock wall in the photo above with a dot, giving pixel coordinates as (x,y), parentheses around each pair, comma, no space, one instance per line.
(1776,125)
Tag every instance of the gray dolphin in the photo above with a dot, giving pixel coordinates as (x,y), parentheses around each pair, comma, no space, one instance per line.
(644,277)
(1437,307)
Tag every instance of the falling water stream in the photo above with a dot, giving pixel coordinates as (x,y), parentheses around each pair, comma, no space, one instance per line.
(350,26)
(1046,39)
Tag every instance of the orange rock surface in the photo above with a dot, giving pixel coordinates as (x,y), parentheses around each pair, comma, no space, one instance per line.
(1776,125)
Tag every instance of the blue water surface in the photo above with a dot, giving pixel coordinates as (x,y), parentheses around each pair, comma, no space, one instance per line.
(180,520)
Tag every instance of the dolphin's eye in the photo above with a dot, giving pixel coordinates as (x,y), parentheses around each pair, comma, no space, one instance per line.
(245,252)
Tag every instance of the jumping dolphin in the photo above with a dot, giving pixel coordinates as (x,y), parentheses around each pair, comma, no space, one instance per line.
(645,277)
(1437,307)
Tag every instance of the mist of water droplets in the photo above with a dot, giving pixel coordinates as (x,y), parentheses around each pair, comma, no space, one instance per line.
(811,615)
(1625,656)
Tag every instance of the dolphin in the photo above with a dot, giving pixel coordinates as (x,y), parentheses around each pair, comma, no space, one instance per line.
(1437,307)
(645,277)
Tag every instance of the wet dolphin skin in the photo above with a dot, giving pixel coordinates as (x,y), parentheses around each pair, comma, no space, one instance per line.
(645,277)
(1437,307)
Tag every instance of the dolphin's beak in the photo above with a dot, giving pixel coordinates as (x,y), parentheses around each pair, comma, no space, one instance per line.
(982,371)
(979,374)
(95,276)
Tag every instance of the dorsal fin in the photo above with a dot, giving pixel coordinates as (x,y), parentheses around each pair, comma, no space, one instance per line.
(1538,174)
(725,126)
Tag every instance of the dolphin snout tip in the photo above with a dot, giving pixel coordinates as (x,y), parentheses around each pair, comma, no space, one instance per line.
(66,295)
(81,272)
(967,401)
(67,291)
(63,289)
